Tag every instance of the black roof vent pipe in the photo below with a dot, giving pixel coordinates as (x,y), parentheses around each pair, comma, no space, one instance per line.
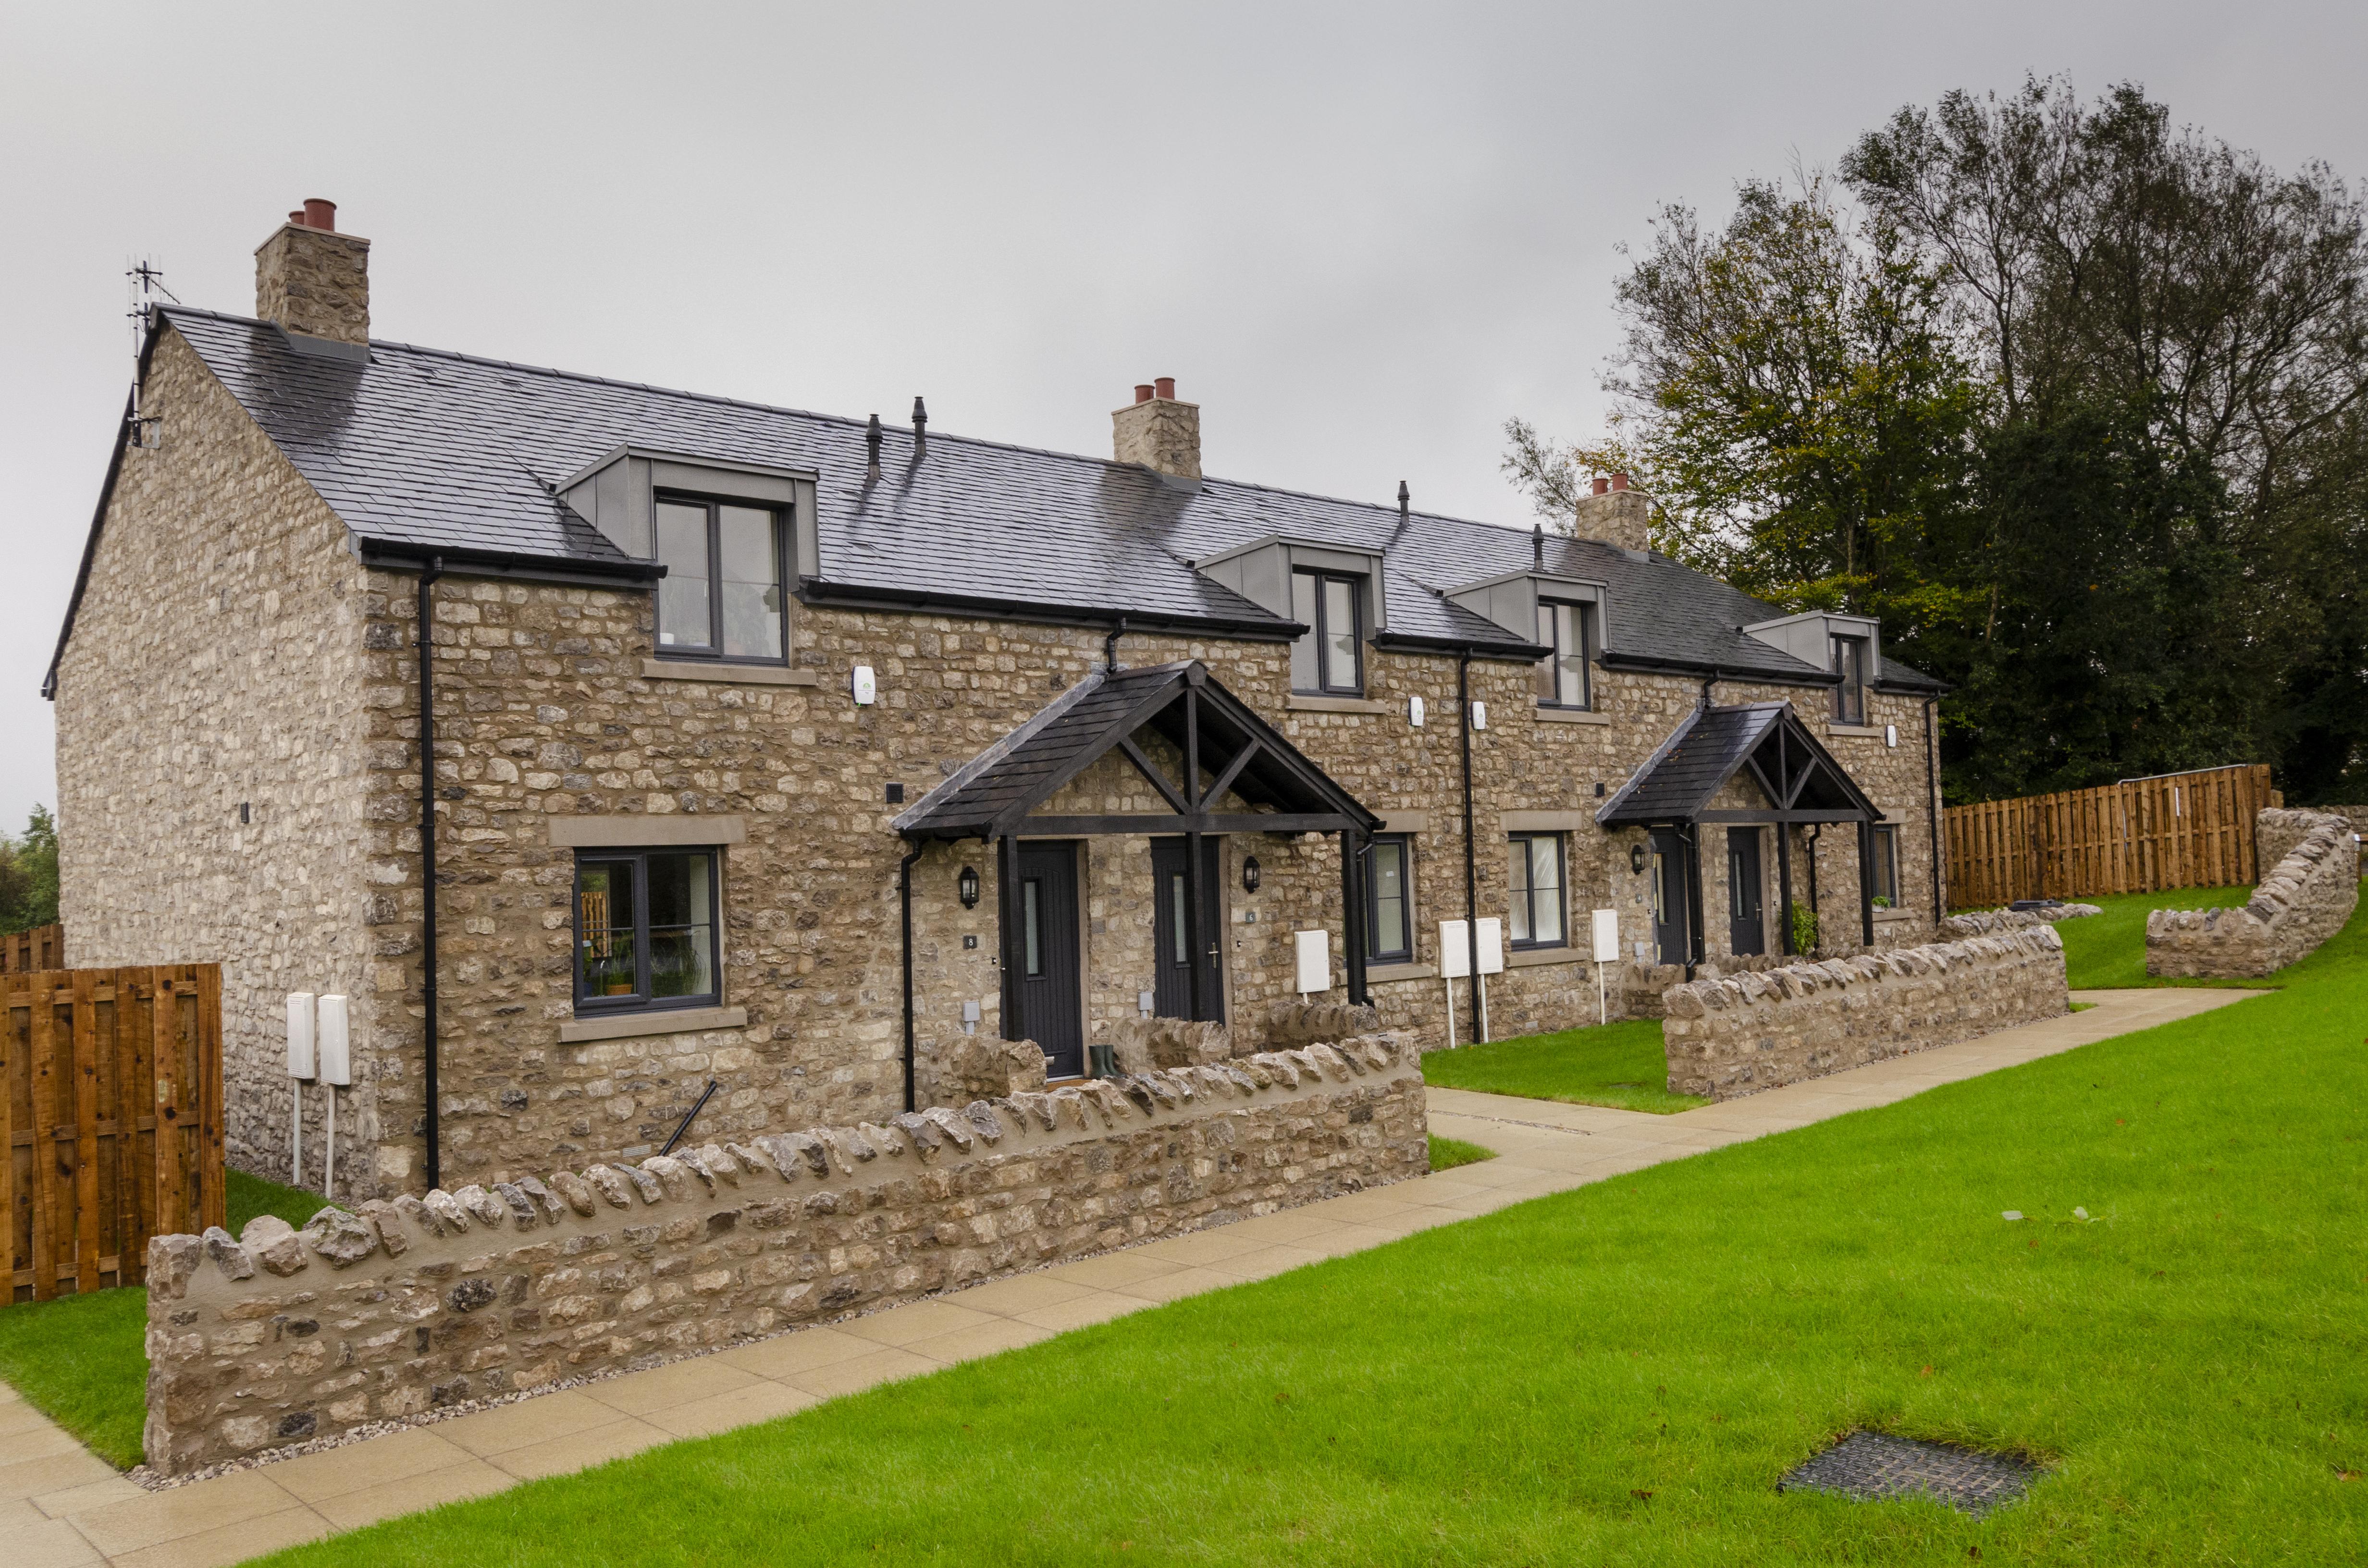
(871,442)
(1538,546)
(1405,501)
(920,427)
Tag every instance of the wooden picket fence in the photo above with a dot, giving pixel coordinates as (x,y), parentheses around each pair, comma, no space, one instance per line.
(2177,830)
(43,947)
(111,1120)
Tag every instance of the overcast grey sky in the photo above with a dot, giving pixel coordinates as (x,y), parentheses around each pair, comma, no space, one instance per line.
(1359,236)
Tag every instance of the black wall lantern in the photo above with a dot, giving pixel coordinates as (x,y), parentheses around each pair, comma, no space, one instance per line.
(968,882)
(1636,859)
(1250,874)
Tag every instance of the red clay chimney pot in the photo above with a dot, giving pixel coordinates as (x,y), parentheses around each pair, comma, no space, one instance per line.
(1602,484)
(320,214)
(1164,384)
(297,217)
(1618,482)
(1142,391)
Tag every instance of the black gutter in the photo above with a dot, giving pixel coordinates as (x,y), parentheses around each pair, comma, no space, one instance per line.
(407,553)
(433,569)
(1511,652)
(860,596)
(1471,851)
(1932,803)
(1697,670)
(905,903)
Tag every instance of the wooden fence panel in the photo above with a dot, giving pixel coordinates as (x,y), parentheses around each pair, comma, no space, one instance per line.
(23,952)
(2144,834)
(111,1120)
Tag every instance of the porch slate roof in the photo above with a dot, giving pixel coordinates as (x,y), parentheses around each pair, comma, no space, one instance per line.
(996,790)
(423,448)
(1678,782)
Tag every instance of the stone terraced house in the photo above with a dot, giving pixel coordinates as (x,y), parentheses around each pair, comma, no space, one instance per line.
(810,756)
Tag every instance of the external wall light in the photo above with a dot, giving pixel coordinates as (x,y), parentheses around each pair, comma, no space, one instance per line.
(1636,859)
(1250,874)
(968,883)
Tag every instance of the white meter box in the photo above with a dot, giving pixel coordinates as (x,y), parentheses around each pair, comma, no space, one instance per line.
(1454,949)
(1607,936)
(1313,951)
(302,1061)
(336,1060)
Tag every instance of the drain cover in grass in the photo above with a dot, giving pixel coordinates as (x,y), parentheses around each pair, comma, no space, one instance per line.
(1868,1465)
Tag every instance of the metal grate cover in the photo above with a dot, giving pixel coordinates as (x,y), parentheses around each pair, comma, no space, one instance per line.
(1870,1465)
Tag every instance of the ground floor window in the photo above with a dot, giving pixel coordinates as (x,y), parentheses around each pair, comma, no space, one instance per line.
(1886,868)
(645,924)
(1537,885)
(1389,900)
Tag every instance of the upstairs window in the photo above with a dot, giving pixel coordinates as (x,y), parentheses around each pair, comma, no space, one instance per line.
(1850,663)
(1389,900)
(1562,675)
(1537,904)
(1329,660)
(646,930)
(723,595)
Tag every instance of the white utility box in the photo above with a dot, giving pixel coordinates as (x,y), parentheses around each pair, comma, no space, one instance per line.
(1607,936)
(302,1054)
(1314,950)
(1491,933)
(337,1057)
(1454,949)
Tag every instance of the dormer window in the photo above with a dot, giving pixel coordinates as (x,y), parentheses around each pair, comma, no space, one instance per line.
(1566,627)
(1329,659)
(1849,696)
(723,595)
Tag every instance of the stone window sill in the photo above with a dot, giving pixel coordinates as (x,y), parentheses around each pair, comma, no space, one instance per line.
(1856,732)
(637,1026)
(1572,716)
(1529,957)
(1382,973)
(1301,704)
(727,675)
(1893,917)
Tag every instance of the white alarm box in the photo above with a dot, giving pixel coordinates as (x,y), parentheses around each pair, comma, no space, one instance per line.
(301,1055)
(1454,949)
(337,1056)
(1314,950)
(1491,933)
(1607,936)
(866,690)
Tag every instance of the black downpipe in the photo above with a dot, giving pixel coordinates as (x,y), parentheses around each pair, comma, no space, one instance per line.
(1932,804)
(1471,850)
(427,575)
(1110,646)
(688,1117)
(905,902)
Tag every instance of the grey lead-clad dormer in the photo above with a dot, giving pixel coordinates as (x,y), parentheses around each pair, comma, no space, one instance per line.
(615,494)
(1511,600)
(1808,636)
(1260,571)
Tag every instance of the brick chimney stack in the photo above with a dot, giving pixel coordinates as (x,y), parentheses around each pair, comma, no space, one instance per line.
(1614,514)
(314,280)
(1157,431)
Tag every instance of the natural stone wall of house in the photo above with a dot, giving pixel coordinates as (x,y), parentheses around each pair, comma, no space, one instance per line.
(2305,897)
(1725,1038)
(282,1336)
(209,749)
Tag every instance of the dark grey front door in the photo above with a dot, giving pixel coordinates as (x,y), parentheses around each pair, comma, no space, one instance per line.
(1747,927)
(1672,926)
(1051,1008)
(1171,994)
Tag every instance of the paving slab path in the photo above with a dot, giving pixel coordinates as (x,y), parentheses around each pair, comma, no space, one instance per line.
(61,1506)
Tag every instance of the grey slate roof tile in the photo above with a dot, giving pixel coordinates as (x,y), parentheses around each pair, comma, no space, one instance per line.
(427,447)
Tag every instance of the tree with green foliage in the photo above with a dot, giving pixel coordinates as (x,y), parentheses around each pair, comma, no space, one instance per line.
(2074,401)
(28,875)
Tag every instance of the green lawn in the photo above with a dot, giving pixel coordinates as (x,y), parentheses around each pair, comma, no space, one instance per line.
(83,1361)
(1620,1374)
(1620,1065)
(1446,1153)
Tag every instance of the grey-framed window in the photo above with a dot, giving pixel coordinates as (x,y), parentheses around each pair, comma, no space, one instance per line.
(1329,660)
(645,924)
(1885,880)
(1566,628)
(724,595)
(1537,916)
(1389,898)
(1849,696)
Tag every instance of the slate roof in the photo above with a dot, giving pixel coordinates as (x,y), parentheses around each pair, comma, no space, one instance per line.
(1679,780)
(420,447)
(997,787)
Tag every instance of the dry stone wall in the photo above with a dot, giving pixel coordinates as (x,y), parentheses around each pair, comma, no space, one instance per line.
(1731,1036)
(280,1336)
(2305,897)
